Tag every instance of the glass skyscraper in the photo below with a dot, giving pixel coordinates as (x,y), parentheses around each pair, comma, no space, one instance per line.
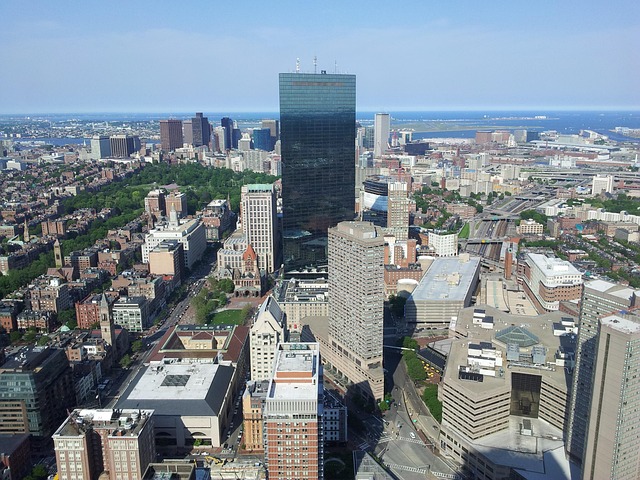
(317,131)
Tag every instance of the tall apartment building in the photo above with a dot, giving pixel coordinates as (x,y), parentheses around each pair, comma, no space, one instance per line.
(398,211)
(100,147)
(548,281)
(171,134)
(318,131)
(601,184)
(613,435)
(293,442)
(267,331)
(259,223)
(599,298)
(176,201)
(382,130)
(36,388)
(356,297)
(201,130)
(120,442)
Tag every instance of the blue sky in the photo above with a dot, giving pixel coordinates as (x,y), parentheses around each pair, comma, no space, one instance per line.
(216,56)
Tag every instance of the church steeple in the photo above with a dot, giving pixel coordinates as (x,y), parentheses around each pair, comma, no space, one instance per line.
(107,329)
(57,253)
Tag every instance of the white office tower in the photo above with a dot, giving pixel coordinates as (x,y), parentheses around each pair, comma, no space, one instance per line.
(382,130)
(259,222)
(267,331)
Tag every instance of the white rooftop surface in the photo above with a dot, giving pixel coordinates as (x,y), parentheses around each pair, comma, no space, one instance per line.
(295,361)
(437,283)
(553,266)
(610,288)
(624,324)
(200,377)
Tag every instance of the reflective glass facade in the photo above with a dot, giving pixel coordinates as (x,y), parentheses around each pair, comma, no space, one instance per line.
(317,131)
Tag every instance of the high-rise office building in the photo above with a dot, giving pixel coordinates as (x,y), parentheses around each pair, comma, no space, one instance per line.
(382,130)
(201,130)
(613,431)
(292,415)
(171,134)
(227,124)
(187,132)
(318,130)
(259,223)
(356,298)
(100,147)
(262,139)
(36,388)
(398,210)
(599,298)
(123,145)
(274,128)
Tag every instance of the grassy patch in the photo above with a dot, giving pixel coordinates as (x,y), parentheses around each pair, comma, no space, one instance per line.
(229,316)
(464,233)
(430,398)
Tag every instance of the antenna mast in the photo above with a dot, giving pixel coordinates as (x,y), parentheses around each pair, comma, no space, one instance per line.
(297,65)
(315,64)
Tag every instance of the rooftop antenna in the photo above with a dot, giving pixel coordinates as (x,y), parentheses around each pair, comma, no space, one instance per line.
(315,64)
(297,65)
(335,66)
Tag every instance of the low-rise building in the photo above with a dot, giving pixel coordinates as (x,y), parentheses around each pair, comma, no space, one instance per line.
(443,291)
(132,313)
(549,281)
(119,442)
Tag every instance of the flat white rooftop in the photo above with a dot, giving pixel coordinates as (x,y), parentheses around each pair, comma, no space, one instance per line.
(175,382)
(447,279)
(553,266)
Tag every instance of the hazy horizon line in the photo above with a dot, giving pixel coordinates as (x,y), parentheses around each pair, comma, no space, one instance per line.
(363,110)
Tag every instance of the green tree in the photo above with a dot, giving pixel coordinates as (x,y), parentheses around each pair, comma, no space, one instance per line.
(39,471)
(43,340)
(226,285)
(136,346)
(68,317)
(15,336)
(125,361)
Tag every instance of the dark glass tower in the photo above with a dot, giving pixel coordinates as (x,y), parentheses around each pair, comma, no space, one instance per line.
(317,131)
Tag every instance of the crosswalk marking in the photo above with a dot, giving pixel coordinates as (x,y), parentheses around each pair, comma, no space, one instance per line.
(407,468)
(413,440)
